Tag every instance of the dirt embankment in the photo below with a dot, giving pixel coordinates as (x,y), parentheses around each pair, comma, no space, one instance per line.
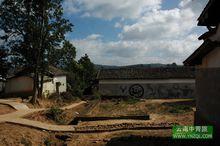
(5,109)
(162,113)
(171,111)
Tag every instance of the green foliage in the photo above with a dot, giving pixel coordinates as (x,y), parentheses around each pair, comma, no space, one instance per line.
(67,96)
(97,95)
(81,76)
(64,57)
(63,97)
(4,65)
(54,96)
(55,113)
(48,142)
(33,30)
(87,69)
(87,72)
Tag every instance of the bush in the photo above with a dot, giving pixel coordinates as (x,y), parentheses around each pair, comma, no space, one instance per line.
(68,96)
(96,94)
(63,96)
(47,142)
(55,114)
(54,96)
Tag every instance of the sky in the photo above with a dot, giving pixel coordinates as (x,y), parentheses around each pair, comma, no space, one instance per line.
(125,32)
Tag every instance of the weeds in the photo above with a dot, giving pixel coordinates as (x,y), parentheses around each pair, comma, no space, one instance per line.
(55,113)
(47,142)
(25,142)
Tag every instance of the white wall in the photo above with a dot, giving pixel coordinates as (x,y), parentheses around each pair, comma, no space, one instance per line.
(62,80)
(50,87)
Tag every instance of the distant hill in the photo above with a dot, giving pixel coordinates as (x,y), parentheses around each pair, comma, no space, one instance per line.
(154,65)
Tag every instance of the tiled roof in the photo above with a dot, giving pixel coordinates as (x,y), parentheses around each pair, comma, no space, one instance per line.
(210,16)
(147,73)
(56,71)
(27,71)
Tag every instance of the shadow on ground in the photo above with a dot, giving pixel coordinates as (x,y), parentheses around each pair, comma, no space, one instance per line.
(156,141)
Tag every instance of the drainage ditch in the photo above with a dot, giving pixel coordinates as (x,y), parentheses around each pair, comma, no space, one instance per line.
(76,120)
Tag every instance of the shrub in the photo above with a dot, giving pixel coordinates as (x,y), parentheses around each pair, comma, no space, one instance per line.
(55,113)
(47,142)
(68,96)
(54,96)
(96,94)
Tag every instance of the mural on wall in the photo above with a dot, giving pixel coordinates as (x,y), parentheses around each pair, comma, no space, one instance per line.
(123,88)
(153,90)
(136,90)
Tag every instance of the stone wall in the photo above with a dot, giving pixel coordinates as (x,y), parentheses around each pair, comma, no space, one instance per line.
(148,90)
(208,97)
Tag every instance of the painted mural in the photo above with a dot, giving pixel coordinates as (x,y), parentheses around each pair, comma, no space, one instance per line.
(176,90)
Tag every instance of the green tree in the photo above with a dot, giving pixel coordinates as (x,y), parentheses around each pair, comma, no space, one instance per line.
(33,30)
(4,64)
(64,57)
(87,71)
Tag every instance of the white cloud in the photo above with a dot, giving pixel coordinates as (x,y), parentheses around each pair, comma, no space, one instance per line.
(136,52)
(158,35)
(165,24)
(195,5)
(108,9)
(118,25)
(160,24)
(94,37)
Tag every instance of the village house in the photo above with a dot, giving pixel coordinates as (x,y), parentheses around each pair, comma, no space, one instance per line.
(21,83)
(207,61)
(172,82)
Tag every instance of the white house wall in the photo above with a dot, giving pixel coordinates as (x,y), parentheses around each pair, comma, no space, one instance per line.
(50,87)
(62,80)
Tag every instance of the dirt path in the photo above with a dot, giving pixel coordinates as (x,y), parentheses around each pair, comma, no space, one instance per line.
(92,127)
(22,110)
